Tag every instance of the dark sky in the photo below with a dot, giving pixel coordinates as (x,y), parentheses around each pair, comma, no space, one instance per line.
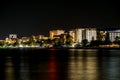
(32,17)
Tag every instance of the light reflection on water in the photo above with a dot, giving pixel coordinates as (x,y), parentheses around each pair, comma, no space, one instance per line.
(82,68)
(9,69)
(111,68)
(24,69)
(53,75)
(73,64)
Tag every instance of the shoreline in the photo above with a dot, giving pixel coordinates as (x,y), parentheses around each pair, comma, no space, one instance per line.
(52,48)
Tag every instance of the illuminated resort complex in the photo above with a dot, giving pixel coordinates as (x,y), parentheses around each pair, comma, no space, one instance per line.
(79,37)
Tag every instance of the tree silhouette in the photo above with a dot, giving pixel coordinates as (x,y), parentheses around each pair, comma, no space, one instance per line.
(84,42)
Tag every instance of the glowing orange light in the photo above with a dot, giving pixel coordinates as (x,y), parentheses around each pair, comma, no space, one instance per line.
(52,49)
(53,68)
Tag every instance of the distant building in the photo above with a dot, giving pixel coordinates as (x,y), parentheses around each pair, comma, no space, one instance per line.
(78,35)
(12,36)
(7,39)
(83,33)
(2,41)
(72,33)
(25,39)
(89,34)
(55,33)
(113,34)
(41,36)
(46,38)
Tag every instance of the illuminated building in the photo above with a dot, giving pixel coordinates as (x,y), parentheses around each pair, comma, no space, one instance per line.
(78,35)
(89,34)
(113,34)
(72,33)
(1,41)
(45,38)
(25,39)
(12,36)
(83,33)
(55,32)
(6,39)
(41,36)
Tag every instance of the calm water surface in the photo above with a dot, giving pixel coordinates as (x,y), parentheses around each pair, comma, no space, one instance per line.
(71,64)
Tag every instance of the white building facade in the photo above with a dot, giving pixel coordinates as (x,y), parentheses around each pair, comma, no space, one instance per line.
(113,34)
(12,36)
(84,33)
(90,34)
(78,35)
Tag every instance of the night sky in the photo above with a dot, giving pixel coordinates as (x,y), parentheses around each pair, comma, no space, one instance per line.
(27,18)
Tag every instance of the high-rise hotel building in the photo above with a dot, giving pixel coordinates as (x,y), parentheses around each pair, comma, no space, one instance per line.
(78,35)
(90,34)
(83,33)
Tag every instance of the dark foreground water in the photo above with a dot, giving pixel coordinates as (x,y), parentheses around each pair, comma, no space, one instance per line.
(49,64)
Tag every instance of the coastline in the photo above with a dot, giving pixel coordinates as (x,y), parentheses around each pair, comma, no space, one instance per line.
(53,48)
